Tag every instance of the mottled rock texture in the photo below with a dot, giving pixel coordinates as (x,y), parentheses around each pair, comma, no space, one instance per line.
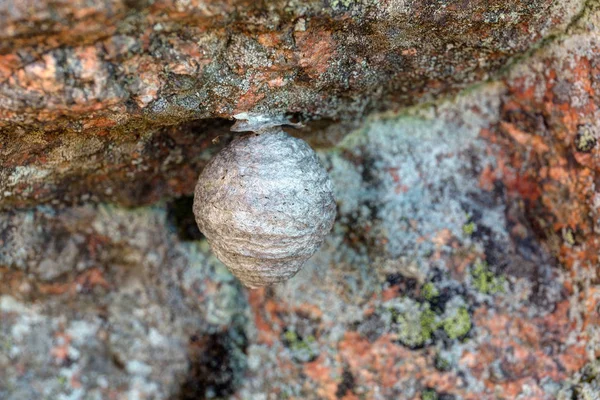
(88,86)
(461,138)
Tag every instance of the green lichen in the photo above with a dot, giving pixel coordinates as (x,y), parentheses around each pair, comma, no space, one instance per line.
(585,140)
(338,4)
(442,362)
(413,323)
(484,281)
(429,394)
(469,228)
(303,349)
(430,292)
(62,381)
(429,323)
(6,344)
(410,331)
(458,324)
(569,236)
(346,3)
(343,3)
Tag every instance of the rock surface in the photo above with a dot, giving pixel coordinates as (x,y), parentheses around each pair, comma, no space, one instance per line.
(461,139)
(87,88)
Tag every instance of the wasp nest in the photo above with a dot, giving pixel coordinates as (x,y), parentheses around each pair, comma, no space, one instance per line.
(265,204)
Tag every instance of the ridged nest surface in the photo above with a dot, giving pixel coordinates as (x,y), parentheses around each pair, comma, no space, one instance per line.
(265,203)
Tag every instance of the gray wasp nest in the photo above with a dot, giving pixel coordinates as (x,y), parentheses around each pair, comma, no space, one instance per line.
(265,203)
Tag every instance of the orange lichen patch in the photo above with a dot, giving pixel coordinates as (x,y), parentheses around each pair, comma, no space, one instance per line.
(150,82)
(591,300)
(14,282)
(460,261)
(388,294)
(90,64)
(276,82)
(269,39)
(443,382)
(39,76)
(75,381)
(267,323)
(83,282)
(187,58)
(60,352)
(538,160)
(319,371)
(574,357)
(442,238)
(137,65)
(268,314)
(8,64)
(91,278)
(524,138)
(54,289)
(523,185)
(309,310)
(383,366)
(520,345)
(400,187)
(187,178)
(249,99)
(99,122)
(72,23)
(315,51)
(487,178)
